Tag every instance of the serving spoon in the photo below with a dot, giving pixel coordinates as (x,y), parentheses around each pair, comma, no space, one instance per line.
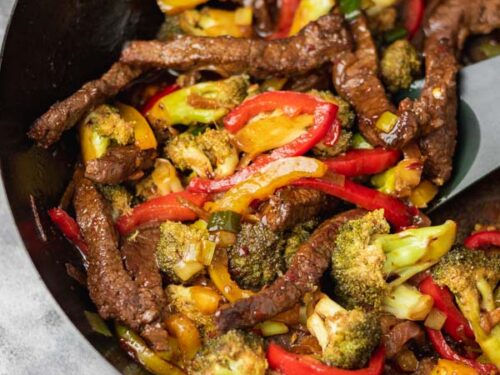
(478,146)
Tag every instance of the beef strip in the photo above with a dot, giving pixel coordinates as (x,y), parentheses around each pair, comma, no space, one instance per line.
(446,31)
(308,265)
(399,335)
(118,164)
(355,76)
(291,206)
(111,288)
(64,115)
(314,46)
(138,253)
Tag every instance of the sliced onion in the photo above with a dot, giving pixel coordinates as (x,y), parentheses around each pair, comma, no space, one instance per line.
(435,319)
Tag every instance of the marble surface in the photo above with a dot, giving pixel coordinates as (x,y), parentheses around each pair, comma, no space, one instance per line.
(36,337)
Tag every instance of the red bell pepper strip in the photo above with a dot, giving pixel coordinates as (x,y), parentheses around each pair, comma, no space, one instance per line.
(158,209)
(294,364)
(413,14)
(288,9)
(445,351)
(293,104)
(69,227)
(455,325)
(395,211)
(156,97)
(483,239)
(333,134)
(363,162)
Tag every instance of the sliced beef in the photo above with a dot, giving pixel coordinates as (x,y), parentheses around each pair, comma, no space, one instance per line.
(308,265)
(314,46)
(451,22)
(138,253)
(65,114)
(113,291)
(118,164)
(355,76)
(291,206)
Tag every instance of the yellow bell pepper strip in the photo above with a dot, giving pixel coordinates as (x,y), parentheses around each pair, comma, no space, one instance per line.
(171,7)
(279,130)
(204,103)
(445,351)
(143,134)
(309,11)
(447,367)
(212,22)
(401,179)
(220,276)
(205,299)
(423,194)
(137,348)
(186,333)
(263,183)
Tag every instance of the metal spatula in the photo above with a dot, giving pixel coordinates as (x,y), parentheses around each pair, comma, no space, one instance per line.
(478,148)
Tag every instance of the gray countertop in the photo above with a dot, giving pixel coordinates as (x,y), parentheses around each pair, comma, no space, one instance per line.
(36,337)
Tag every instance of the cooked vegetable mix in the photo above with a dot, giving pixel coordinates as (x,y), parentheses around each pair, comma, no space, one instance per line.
(214,200)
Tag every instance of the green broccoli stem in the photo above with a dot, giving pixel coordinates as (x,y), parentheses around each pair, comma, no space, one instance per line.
(486,291)
(406,302)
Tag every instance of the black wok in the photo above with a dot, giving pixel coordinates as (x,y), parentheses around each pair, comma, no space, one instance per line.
(51,48)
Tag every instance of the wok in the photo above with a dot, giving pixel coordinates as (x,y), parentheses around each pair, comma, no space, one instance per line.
(52,47)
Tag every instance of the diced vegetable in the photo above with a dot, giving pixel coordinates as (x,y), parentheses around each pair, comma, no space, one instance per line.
(401,179)
(350,8)
(435,319)
(386,121)
(272,328)
(228,221)
(360,143)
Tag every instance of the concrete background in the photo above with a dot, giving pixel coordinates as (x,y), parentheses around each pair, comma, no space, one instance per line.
(36,337)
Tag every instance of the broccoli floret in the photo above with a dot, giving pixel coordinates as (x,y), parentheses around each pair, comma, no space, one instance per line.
(204,152)
(181,300)
(179,250)
(400,64)
(203,103)
(255,260)
(299,234)
(162,181)
(107,122)
(342,145)
(234,353)
(365,256)
(345,115)
(119,198)
(219,149)
(347,337)
(472,277)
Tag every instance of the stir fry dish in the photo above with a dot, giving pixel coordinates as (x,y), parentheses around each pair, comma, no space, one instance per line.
(250,192)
